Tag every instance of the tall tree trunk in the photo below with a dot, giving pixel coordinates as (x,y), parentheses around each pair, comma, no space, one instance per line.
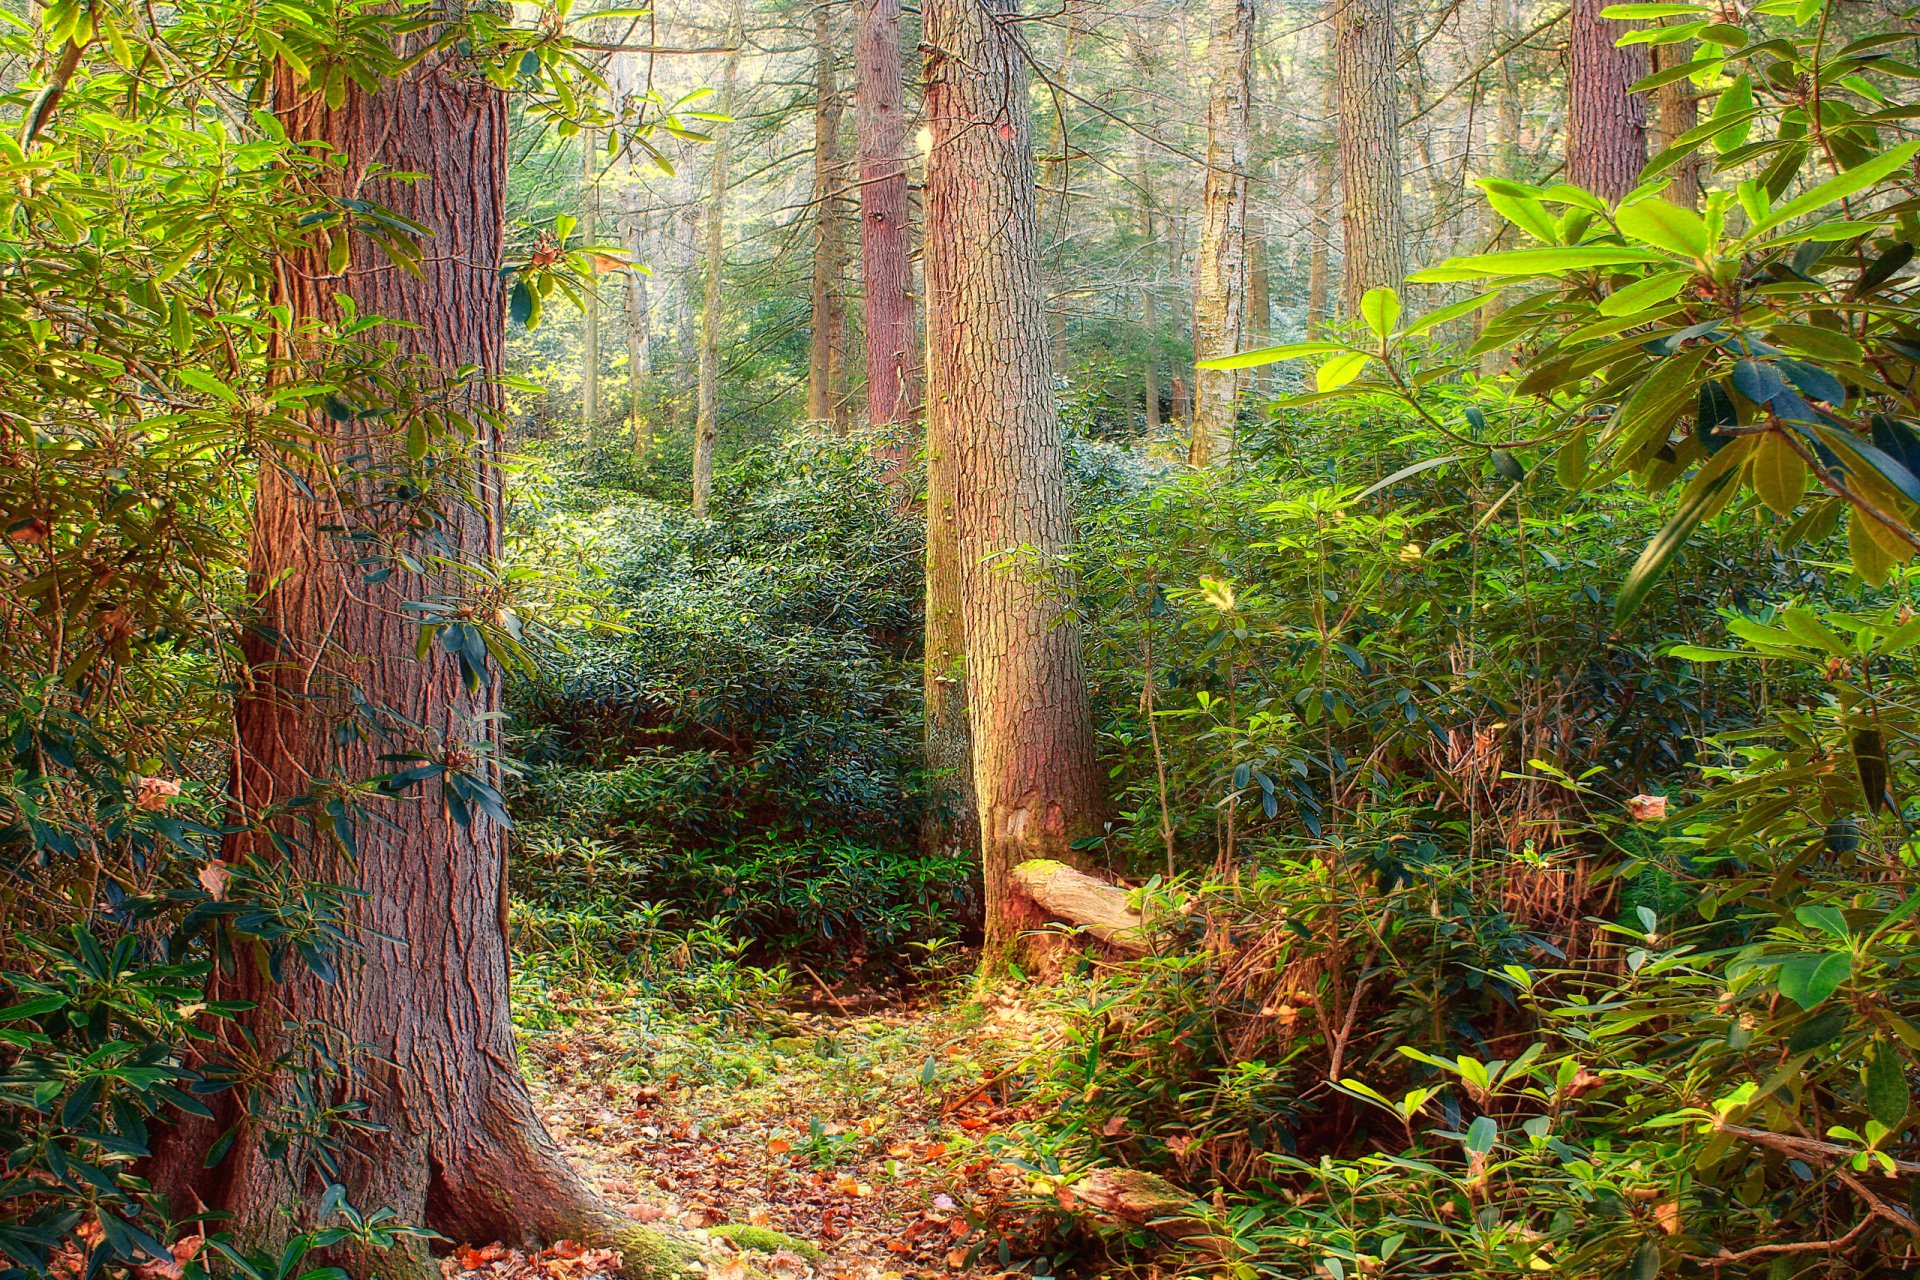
(705,427)
(828,335)
(639,337)
(1606,125)
(1219,275)
(1259,321)
(590,338)
(1033,760)
(418,1010)
(953,815)
(1320,259)
(1373,225)
(886,266)
(1676,110)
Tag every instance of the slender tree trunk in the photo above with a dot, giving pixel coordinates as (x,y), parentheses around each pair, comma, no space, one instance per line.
(1033,760)
(1320,260)
(1373,226)
(1220,273)
(1259,321)
(417,1015)
(639,337)
(953,815)
(828,335)
(1677,110)
(886,266)
(1606,125)
(590,338)
(705,427)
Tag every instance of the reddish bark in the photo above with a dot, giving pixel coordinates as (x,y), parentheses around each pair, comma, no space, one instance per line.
(1033,760)
(1606,125)
(421,998)
(893,364)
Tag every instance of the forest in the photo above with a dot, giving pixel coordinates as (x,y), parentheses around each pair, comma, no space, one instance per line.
(898,639)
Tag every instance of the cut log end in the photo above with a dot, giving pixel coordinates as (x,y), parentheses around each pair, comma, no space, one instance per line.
(1076,898)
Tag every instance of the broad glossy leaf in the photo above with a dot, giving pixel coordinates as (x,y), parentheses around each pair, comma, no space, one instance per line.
(1809,979)
(1645,293)
(1380,308)
(1779,473)
(1340,370)
(1269,355)
(1855,180)
(1540,262)
(1665,226)
(1704,495)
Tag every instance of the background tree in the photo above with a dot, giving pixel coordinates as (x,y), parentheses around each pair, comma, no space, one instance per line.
(828,338)
(1220,277)
(1366,79)
(886,268)
(1606,122)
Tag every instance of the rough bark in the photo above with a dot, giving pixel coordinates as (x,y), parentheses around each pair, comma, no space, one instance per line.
(1606,125)
(590,338)
(1220,272)
(893,356)
(1076,898)
(1676,110)
(1033,761)
(419,1006)
(827,335)
(1373,222)
(714,232)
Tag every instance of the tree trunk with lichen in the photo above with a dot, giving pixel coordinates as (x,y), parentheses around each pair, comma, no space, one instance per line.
(1033,760)
(886,265)
(1220,272)
(416,1014)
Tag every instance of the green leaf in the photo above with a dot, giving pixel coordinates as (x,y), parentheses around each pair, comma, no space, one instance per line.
(1666,226)
(1269,355)
(1855,180)
(1570,464)
(1481,1135)
(1807,980)
(1642,294)
(1888,1097)
(1525,213)
(1381,310)
(1779,473)
(1403,473)
(1340,370)
(1818,1031)
(1452,311)
(1700,499)
(1536,262)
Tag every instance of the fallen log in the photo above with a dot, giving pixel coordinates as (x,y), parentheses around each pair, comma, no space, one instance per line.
(1076,898)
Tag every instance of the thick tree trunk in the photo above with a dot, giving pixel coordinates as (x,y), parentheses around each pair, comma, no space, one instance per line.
(706,422)
(893,356)
(1373,227)
(590,338)
(1676,110)
(1606,125)
(639,338)
(418,1013)
(828,339)
(1033,761)
(1220,273)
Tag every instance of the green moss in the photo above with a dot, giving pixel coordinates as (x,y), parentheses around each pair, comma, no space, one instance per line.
(766,1240)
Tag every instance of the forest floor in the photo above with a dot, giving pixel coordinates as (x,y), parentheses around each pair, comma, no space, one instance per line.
(823,1143)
